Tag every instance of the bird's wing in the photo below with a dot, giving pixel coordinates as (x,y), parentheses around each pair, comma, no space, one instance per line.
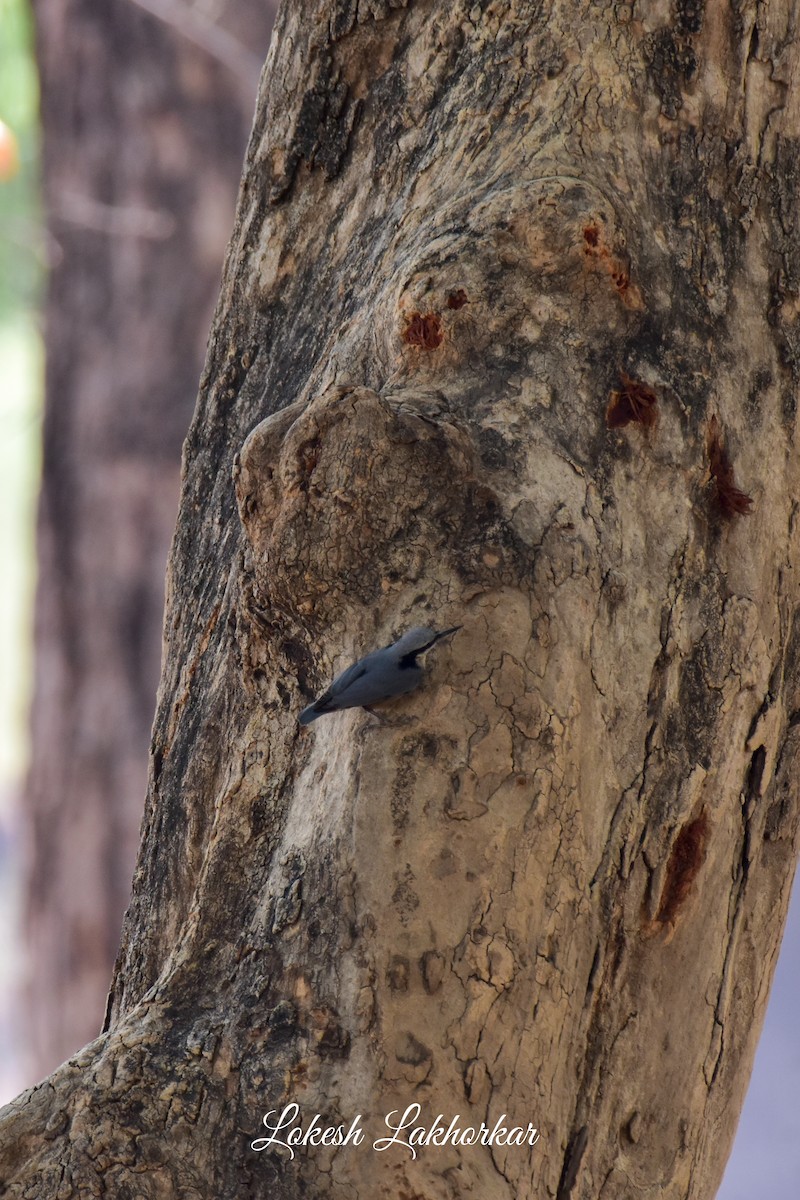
(348,677)
(328,698)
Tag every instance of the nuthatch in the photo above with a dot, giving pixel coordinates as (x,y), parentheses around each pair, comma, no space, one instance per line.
(378,676)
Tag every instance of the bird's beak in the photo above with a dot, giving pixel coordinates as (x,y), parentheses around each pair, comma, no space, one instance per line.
(446,632)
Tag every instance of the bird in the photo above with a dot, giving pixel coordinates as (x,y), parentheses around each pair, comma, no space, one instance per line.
(379,675)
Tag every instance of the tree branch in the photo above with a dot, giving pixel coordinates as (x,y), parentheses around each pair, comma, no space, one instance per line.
(206,34)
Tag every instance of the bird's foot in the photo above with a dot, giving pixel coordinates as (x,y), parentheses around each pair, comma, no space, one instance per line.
(386,721)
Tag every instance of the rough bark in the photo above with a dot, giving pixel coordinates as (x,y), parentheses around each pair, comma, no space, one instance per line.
(507,337)
(143,139)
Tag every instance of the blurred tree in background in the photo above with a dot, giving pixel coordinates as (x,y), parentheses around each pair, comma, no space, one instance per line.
(145,109)
(21,268)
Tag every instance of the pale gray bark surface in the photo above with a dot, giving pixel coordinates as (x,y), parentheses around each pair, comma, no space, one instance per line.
(552,884)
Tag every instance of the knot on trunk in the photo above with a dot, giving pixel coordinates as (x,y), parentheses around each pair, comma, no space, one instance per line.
(353,497)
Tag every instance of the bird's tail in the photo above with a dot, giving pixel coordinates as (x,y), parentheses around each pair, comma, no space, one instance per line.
(310,714)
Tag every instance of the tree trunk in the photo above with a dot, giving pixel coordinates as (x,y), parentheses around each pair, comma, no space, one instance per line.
(507,338)
(143,140)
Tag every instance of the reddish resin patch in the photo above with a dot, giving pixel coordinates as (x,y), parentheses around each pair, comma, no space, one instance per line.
(634,403)
(731,500)
(424,331)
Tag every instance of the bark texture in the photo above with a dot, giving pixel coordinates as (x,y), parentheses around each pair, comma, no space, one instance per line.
(508,336)
(143,138)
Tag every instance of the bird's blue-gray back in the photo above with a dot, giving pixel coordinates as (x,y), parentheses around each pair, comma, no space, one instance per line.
(380,675)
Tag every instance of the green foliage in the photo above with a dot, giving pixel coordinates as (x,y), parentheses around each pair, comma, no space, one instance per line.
(20,215)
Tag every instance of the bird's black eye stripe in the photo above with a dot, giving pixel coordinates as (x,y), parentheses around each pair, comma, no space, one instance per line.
(409,660)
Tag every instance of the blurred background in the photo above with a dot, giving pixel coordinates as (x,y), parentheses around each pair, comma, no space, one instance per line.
(124,129)
(123,126)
